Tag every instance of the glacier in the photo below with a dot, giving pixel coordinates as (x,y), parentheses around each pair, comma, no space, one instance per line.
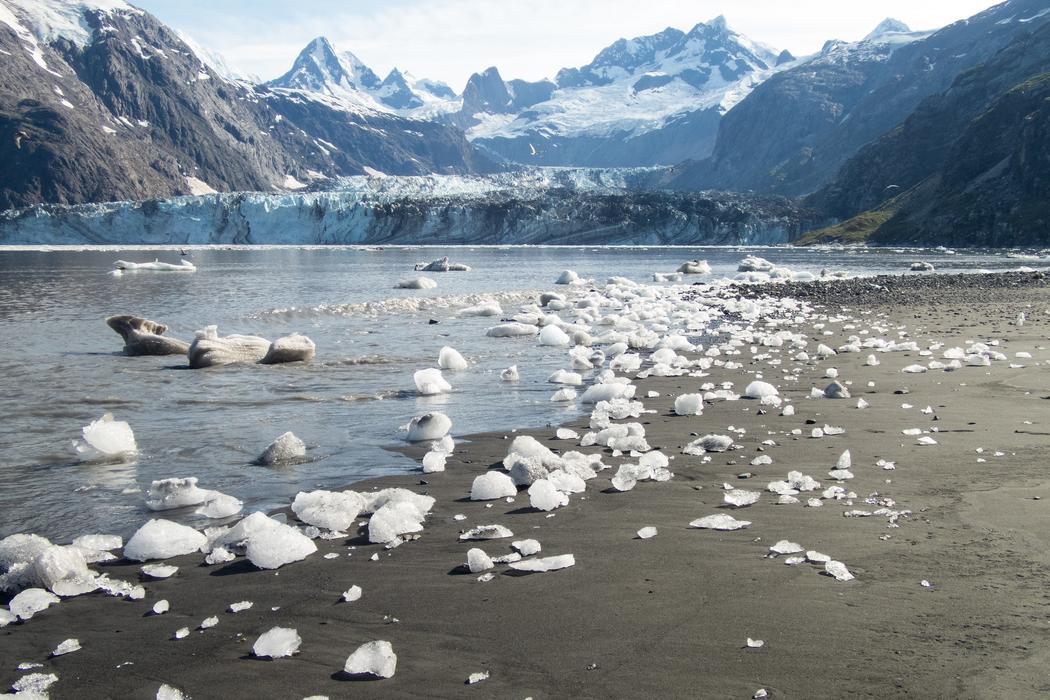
(531,206)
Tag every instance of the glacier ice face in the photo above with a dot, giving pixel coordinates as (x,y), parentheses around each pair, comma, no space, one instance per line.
(162,539)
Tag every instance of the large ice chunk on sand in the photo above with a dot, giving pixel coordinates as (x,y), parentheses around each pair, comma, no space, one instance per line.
(432,426)
(720,521)
(31,601)
(161,539)
(277,643)
(760,390)
(106,439)
(57,565)
(429,382)
(393,520)
(286,449)
(274,547)
(372,659)
(689,405)
(331,510)
(492,485)
(478,561)
(543,495)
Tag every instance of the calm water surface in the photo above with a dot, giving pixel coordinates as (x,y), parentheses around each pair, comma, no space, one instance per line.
(62,366)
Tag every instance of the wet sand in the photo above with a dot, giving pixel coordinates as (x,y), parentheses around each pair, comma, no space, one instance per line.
(669,616)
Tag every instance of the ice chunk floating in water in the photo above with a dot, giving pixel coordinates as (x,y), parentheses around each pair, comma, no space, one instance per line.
(286,449)
(430,382)
(432,426)
(106,439)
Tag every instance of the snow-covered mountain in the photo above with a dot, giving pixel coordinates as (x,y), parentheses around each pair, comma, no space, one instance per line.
(101,101)
(649,100)
(320,68)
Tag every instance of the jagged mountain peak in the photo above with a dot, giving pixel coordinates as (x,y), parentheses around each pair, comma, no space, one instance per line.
(888,26)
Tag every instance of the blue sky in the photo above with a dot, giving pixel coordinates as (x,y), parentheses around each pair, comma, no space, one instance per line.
(530,39)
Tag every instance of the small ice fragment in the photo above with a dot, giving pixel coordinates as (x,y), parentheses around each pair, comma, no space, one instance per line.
(510,374)
(740,498)
(161,607)
(647,533)
(526,547)
(543,564)
(719,521)
(286,449)
(838,570)
(209,622)
(478,561)
(159,570)
(66,647)
(182,633)
(786,547)
(926,440)
(352,594)
(477,677)
(486,532)
(373,659)
(277,643)
(241,606)
(755,643)
(760,694)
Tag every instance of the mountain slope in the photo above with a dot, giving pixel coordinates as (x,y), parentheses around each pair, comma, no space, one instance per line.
(793,132)
(100,101)
(644,101)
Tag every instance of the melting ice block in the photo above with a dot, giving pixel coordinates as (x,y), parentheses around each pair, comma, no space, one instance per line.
(647,533)
(450,359)
(478,561)
(429,382)
(689,405)
(567,277)
(331,510)
(510,374)
(394,519)
(511,330)
(277,643)
(492,485)
(544,564)
(274,547)
(720,521)
(31,601)
(106,439)
(838,570)
(554,336)
(760,390)
(372,659)
(494,532)
(420,282)
(286,449)
(432,426)
(161,539)
(166,494)
(544,496)
(740,498)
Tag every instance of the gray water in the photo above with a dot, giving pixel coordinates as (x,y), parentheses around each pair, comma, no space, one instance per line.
(62,367)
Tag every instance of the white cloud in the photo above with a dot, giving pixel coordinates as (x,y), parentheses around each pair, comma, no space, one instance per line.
(530,39)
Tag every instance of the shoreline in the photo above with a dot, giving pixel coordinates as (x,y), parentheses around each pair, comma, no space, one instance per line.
(671,613)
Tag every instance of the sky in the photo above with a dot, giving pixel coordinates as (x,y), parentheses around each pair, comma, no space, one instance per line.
(528,39)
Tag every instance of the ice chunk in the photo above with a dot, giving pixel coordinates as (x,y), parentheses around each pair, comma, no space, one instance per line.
(394,519)
(420,282)
(861,403)
(564,395)
(689,405)
(760,390)
(161,607)
(276,546)
(565,377)
(526,548)
(220,506)
(567,277)
(695,267)
(286,449)
(709,443)
(159,570)
(429,382)
(167,692)
(34,686)
(492,485)
(106,439)
(838,570)
(99,543)
(167,494)
(21,549)
(510,374)
(331,510)
(352,594)
(554,336)
(434,462)
(477,677)
(543,564)
(63,565)
(720,521)
(544,496)
(161,539)
(431,426)
(209,622)
(478,561)
(511,330)
(490,532)
(786,547)
(372,659)
(277,643)
(289,348)
(31,601)
(450,359)
(66,647)
(566,434)
(740,498)
(647,533)
(241,606)
(914,369)
(755,643)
